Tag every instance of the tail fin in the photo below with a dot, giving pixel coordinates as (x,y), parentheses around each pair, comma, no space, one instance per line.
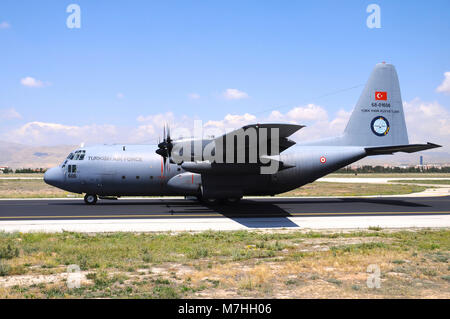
(378,118)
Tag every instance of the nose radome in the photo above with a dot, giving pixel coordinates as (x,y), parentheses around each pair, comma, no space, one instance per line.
(54,176)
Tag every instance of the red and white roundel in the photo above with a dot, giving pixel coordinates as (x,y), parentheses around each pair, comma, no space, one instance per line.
(323,159)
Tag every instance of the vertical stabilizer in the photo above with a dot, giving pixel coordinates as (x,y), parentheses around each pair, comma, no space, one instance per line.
(378,118)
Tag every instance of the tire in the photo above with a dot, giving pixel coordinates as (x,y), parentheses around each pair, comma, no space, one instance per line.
(90,199)
(211,201)
(234,200)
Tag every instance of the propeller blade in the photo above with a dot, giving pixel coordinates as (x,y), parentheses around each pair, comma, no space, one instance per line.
(165,147)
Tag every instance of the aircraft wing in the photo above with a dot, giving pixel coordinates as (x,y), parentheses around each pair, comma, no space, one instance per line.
(250,144)
(284,131)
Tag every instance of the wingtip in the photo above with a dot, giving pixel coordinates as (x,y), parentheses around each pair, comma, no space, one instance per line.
(432,145)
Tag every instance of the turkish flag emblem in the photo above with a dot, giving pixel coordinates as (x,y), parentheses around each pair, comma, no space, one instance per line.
(381,96)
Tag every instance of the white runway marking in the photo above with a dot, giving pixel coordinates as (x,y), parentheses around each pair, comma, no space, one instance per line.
(223,224)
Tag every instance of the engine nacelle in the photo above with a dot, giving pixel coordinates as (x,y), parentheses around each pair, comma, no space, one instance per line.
(186,183)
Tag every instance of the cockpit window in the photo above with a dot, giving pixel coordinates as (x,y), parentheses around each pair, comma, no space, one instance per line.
(77,155)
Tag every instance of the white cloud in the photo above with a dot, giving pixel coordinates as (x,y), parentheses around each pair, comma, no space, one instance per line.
(427,122)
(316,119)
(310,112)
(9,114)
(32,82)
(157,119)
(340,121)
(120,95)
(193,96)
(232,121)
(43,133)
(234,94)
(4,25)
(445,85)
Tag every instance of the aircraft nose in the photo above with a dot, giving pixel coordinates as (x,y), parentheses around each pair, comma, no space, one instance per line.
(54,176)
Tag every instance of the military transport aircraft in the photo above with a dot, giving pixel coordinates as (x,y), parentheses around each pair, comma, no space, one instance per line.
(257,159)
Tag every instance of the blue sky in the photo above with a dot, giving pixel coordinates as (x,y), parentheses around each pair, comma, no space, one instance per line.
(138,58)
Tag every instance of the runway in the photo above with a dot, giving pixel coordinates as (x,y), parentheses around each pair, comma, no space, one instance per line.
(180,214)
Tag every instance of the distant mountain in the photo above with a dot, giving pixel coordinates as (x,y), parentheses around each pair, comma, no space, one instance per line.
(24,156)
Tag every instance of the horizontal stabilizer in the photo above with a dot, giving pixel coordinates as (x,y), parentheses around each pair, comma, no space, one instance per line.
(410,148)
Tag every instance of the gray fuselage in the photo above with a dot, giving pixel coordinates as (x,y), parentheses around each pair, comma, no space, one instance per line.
(132,170)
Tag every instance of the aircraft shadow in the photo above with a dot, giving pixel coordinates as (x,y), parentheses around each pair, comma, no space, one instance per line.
(378,201)
(253,214)
(265,203)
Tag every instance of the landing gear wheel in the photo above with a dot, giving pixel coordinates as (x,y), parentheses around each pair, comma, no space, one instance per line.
(212,201)
(90,199)
(233,200)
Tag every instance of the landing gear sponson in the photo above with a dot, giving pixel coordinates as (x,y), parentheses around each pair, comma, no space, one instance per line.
(91,199)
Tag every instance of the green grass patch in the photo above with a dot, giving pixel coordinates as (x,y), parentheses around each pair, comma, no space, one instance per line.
(352,189)
(114,262)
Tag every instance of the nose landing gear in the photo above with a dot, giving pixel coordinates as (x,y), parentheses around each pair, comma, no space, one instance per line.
(90,199)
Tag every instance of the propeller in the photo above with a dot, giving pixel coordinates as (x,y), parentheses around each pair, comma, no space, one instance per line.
(165,147)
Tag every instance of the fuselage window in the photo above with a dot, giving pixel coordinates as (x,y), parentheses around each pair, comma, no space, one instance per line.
(123,177)
(137,177)
(72,168)
(70,156)
(82,154)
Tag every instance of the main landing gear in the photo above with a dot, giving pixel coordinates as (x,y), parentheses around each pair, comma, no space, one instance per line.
(90,199)
(221,201)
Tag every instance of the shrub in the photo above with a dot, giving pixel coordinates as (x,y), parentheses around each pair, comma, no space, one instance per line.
(5,269)
(198,252)
(9,252)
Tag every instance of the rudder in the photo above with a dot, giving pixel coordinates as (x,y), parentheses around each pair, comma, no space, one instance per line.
(378,118)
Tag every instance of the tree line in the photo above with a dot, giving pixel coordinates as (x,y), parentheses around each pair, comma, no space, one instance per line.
(382,169)
(24,170)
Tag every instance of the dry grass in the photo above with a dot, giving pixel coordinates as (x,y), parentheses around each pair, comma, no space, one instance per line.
(423,181)
(254,264)
(353,189)
(29,188)
(390,175)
